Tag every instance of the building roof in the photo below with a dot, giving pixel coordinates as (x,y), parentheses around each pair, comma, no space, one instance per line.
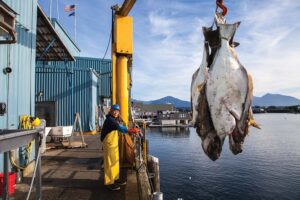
(7,24)
(153,107)
(175,116)
(63,33)
(49,45)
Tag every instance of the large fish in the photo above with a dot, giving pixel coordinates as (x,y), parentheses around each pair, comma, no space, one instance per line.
(221,92)
(201,119)
(230,92)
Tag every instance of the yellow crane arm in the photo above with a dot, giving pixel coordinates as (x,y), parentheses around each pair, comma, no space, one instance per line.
(126,7)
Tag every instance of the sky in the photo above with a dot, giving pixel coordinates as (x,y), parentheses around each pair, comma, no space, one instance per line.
(168,41)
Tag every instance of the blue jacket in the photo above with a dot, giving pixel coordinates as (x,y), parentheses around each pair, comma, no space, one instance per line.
(111,124)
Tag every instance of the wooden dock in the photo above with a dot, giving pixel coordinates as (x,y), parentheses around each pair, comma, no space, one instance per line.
(77,174)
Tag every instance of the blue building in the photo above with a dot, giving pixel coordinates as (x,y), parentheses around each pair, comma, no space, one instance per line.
(39,63)
(17,87)
(66,88)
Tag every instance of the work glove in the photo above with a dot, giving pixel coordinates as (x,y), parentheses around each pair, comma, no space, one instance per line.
(134,131)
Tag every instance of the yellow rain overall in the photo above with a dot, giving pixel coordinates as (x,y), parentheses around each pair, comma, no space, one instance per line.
(111,157)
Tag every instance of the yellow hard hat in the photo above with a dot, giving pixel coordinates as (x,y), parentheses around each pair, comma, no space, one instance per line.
(36,122)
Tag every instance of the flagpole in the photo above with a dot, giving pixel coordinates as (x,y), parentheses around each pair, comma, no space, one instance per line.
(57,10)
(75,21)
(50,8)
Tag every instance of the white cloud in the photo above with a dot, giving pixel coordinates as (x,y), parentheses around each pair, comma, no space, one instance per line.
(167,56)
(269,38)
(270,46)
(168,42)
(161,26)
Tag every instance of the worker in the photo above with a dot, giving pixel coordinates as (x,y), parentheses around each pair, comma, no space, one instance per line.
(109,137)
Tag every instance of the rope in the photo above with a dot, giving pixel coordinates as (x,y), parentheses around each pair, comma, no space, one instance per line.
(13,162)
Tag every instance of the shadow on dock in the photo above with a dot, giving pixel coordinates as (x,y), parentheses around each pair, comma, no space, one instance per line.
(77,174)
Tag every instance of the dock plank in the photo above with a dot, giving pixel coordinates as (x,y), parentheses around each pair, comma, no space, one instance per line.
(77,174)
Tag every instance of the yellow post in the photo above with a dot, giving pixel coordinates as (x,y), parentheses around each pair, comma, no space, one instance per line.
(122,96)
(122,89)
(114,74)
(144,142)
(122,49)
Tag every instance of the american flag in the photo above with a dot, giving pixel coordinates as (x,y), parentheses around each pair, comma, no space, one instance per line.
(69,8)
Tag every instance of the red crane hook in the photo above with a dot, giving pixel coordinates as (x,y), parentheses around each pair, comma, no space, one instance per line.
(220,4)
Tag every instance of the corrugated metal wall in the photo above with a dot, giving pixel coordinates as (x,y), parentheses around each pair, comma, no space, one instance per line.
(71,86)
(17,89)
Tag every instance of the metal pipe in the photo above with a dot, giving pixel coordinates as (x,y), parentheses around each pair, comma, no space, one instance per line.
(6,156)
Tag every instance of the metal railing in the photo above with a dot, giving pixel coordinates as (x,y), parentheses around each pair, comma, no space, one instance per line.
(12,139)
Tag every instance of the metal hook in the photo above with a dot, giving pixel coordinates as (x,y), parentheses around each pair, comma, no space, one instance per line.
(220,4)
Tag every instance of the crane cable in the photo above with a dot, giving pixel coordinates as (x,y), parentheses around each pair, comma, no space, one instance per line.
(110,35)
(107,46)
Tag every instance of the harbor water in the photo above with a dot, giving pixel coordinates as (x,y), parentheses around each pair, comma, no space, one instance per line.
(268,168)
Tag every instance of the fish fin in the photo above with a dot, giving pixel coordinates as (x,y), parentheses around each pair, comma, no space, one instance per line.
(235,44)
(250,85)
(227,31)
(200,87)
(204,121)
(233,113)
(253,123)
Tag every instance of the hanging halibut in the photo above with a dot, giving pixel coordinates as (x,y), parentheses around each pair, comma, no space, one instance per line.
(221,92)
(201,119)
(229,92)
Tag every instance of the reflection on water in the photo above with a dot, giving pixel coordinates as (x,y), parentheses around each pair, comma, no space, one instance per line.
(268,168)
(176,132)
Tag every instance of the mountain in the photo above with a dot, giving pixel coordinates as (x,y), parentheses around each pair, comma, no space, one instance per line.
(275,100)
(168,100)
(266,100)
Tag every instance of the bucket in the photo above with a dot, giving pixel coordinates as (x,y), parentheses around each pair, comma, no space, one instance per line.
(11,183)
